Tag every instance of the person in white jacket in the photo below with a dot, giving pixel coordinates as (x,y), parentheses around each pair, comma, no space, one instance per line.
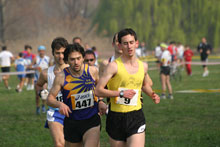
(165,61)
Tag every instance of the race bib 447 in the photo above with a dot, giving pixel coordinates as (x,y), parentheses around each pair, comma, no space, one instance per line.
(82,100)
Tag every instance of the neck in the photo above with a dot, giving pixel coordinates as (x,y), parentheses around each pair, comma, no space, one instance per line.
(60,67)
(117,55)
(127,59)
(77,73)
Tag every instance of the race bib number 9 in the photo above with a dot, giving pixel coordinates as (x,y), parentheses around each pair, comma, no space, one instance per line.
(125,101)
(59,97)
(82,100)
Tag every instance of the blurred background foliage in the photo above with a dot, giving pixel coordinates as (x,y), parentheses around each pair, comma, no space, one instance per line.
(95,21)
(155,21)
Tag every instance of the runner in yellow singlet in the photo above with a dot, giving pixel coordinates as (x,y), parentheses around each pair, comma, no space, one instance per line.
(126,77)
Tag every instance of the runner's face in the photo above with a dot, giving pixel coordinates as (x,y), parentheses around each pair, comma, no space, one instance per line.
(41,53)
(59,55)
(115,45)
(89,59)
(75,60)
(128,45)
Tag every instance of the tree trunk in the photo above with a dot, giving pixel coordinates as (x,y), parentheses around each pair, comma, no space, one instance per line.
(2,39)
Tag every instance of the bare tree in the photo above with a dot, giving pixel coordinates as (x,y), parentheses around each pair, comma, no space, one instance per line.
(2,29)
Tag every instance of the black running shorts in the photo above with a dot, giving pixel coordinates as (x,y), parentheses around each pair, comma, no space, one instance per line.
(120,126)
(5,69)
(165,70)
(75,129)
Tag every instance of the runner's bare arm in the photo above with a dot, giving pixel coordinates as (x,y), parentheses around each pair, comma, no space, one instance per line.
(102,106)
(51,100)
(146,88)
(109,72)
(102,67)
(95,73)
(149,80)
(42,80)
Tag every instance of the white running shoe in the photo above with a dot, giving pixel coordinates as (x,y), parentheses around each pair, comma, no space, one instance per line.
(206,73)
(163,96)
(170,96)
(28,87)
(32,87)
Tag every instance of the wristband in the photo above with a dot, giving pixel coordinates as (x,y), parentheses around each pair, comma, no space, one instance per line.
(152,94)
(121,94)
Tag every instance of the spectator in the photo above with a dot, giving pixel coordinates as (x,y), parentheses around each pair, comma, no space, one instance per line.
(204,49)
(165,61)
(6,58)
(77,40)
(29,57)
(20,66)
(188,58)
(158,53)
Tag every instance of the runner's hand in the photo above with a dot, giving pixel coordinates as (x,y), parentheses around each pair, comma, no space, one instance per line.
(129,94)
(102,108)
(155,98)
(64,109)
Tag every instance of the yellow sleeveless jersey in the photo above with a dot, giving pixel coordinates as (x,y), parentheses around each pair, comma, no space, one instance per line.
(122,81)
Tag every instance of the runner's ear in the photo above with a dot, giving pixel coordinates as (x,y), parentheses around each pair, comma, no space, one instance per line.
(137,43)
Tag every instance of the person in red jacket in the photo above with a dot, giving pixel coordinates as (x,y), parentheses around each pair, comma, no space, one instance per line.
(188,58)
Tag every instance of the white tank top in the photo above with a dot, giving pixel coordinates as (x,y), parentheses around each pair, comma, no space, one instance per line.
(50,80)
(50,77)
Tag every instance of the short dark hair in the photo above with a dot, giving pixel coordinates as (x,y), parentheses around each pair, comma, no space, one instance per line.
(114,38)
(4,48)
(127,31)
(27,46)
(89,52)
(74,38)
(76,47)
(57,43)
(172,42)
(20,54)
(94,48)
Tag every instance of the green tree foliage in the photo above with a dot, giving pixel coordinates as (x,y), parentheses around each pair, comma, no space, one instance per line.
(155,21)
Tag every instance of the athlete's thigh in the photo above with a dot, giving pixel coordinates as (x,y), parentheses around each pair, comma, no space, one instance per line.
(91,137)
(163,77)
(136,140)
(116,143)
(56,130)
(167,78)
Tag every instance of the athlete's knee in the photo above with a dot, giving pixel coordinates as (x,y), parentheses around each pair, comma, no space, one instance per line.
(4,78)
(59,143)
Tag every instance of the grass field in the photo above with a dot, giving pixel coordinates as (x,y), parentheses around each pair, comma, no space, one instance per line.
(190,120)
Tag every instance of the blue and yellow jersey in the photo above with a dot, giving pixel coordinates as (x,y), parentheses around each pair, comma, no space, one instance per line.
(78,94)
